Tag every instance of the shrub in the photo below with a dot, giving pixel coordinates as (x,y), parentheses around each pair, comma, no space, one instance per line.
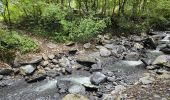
(13,41)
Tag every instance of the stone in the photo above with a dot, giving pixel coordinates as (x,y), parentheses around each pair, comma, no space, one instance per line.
(118,89)
(161,71)
(109,46)
(64,62)
(70,43)
(77,89)
(95,68)
(72,51)
(104,52)
(146,80)
(51,45)
(118,49)
(138,46)
(35,78)
(34,60)
(149,43)
(97,78)
(108,97)
(87,45)
(1,77)
(45,63)
(162,60)
(44,56)
(165,50)
(74,97)
(51,56)
(111,79)
(152,67)
(5,69)
(85,60)
(132,56)
(27,69)
(54,61)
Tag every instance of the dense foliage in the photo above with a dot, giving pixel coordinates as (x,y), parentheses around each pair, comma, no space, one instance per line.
(77,20)
(11,42)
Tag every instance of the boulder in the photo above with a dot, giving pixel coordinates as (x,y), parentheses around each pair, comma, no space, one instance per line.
(27,69)
(77,89)
(162,60)
(85,60)
(165,50)
(35,78)
(132,56)
(149,43)
(97,78)
(74,97)
(5,69)
(104,52)
(27,59)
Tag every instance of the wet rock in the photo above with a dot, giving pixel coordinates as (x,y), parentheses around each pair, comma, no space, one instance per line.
(35,78)
(108,97)
(77,89)
(150,43)
(95,68)
(85,60)
(119,49)
(51,56)
(165,50)
(74,97)
(166,39)
(27,69)
(1,77)
(64,62)
(162,60)
(5,69)
(52,73)
(63,85)
(72,51)
(97,78)
(132,56)
(87,45)
(104,52)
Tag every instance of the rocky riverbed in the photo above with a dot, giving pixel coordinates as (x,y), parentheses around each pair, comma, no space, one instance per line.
(112,68)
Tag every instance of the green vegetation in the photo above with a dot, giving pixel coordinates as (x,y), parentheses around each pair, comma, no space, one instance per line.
(70,20)
(11,42)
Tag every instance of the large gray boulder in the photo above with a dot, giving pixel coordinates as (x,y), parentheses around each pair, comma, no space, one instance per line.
(162,60)
(104,52)
(97,78)
(27,69)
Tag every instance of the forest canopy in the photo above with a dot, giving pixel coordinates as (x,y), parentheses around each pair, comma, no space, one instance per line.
(73,19)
